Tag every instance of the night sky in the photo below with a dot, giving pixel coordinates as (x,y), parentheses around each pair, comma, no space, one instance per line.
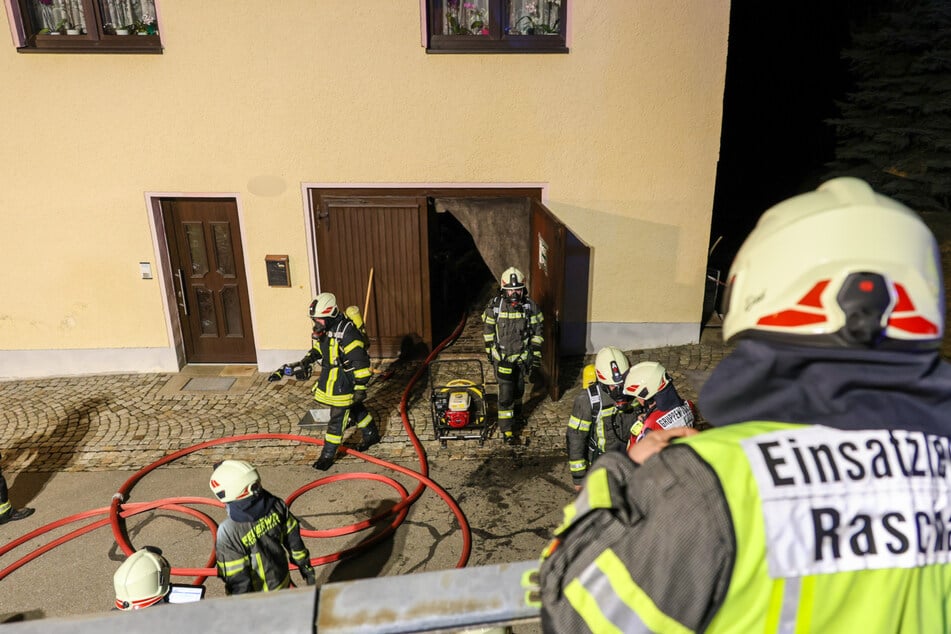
(784,74)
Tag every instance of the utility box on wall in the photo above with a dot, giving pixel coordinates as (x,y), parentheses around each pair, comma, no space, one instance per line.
(278,272)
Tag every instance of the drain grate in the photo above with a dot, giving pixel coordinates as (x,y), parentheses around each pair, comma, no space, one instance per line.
(209,384)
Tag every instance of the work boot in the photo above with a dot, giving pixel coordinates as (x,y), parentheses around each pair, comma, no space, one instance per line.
(370,437)
(19,514)
(326,459)
(509,438)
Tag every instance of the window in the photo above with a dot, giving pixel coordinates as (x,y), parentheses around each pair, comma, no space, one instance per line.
(86,26)
(496,26)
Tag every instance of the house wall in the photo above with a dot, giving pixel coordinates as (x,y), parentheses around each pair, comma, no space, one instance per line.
(623,134)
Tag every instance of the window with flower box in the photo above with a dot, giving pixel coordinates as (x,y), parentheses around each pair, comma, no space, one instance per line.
(496,26)
(86,26)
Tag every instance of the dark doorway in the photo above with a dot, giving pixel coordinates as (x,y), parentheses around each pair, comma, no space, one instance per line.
(460,280)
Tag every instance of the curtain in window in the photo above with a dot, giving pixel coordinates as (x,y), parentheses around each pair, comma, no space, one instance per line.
(129,14)
(56,15)
(534,17)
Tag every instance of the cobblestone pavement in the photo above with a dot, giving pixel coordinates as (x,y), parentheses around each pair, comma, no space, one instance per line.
(127,421)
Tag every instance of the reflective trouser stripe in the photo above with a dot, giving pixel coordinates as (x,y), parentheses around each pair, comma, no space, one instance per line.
(506,413)
(578,465)
(365,421)
(6,507)
(604,595)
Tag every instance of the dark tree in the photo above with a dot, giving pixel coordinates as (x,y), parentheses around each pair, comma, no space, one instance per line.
(895,125)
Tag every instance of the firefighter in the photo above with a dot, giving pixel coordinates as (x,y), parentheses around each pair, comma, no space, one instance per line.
(597,425)
(819,499)
(513,333)
(648,384)
(7,512)
(253,544)
(142,581)
(341,349)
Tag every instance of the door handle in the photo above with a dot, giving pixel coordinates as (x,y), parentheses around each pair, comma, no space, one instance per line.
(325,216)
(183,301)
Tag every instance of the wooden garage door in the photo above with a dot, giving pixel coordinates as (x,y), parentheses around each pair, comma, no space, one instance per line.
(388,235)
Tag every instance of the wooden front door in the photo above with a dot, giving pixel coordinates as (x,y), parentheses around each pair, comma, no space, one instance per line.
(388,235)
(211,288)
(559,285)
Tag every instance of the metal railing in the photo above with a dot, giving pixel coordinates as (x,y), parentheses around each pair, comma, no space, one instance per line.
(441,601)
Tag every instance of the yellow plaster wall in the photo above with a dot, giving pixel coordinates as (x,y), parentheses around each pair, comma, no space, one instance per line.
(252,100)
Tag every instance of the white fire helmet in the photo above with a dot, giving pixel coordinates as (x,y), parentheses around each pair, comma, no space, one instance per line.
(610,366)
(840,266)
(512,279)
(234,480)
(142,580)
(645,380)
(324,306)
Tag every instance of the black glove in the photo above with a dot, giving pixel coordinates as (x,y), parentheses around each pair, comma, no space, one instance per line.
(307,572)
(302,373)
(359,396)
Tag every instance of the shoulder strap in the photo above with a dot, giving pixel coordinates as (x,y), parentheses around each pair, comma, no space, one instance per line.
(594,396)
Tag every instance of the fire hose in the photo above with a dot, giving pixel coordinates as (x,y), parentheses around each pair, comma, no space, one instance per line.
(119,509)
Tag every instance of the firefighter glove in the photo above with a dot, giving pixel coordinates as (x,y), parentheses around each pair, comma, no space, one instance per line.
(359,396)
(308,573)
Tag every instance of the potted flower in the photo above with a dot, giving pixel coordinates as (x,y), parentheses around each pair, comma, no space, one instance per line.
(145,28)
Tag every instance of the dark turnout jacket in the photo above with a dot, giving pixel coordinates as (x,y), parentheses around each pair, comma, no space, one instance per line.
(254,542)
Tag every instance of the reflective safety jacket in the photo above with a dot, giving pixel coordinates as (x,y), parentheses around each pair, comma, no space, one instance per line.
(513,333)
(759,527)
(253,544)
(344,363)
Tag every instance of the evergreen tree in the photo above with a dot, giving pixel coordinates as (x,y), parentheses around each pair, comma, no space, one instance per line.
(895,125)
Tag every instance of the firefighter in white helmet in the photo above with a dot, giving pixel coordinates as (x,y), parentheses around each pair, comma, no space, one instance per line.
(513,333)
(340,347)
(253,544)
(648,385)
(819,499)
(597,425)
(142,580)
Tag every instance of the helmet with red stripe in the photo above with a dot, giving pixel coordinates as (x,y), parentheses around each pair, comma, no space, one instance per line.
(840,266)
(645,380)
(142,580)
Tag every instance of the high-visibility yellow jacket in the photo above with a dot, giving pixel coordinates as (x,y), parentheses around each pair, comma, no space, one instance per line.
(344,363)
(760,527)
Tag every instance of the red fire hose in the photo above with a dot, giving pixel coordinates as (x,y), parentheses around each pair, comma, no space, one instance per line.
(121,509)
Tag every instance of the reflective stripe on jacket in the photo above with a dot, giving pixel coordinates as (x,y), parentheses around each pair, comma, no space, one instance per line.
(512,333)
(759,527)
(344,363)
(252,556)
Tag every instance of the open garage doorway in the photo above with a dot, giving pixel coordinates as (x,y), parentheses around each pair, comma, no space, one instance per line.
(460,281)
(425,256)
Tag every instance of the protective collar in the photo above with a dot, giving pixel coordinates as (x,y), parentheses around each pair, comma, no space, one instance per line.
(845,388)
